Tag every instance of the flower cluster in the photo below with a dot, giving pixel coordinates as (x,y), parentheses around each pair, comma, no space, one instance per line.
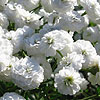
(11,96)
(34,32)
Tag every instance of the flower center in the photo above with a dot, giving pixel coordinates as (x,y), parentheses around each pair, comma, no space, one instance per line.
(68,80)
(84,52)
(10,66)
(50,40)
(28,70)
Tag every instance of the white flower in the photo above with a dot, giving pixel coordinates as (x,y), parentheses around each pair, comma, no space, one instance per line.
(43,13)
(74,60)
(63,5)
(53,18)
(5,46)
(92,34)
(68,81)
(12,96)
(11,10)
(87,50)
(81,12)
(2,32)
(41,59)
(54,40)
(5,67)
(14,13)
(98,78)
(73,21)
(29,19)
(48,28)
(97,47)
(6,63)
(95,79)
(92,8)
(29,4)
(92,78)
(33,20)
(27,74)
(3,21)
(91,61)
(32,44)
(84,47)
(47,5)
(17,37)
(67,49)
(84,82)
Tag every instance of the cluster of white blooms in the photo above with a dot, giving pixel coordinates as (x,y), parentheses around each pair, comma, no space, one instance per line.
(63,5)
(92,8)
(27,73)
(17,37)
(12,96)
(73,21)
(14,12)
(54,40)
(34,32)
(28,4)
(69,81)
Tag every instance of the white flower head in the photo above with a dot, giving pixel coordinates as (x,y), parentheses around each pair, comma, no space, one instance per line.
(12,96)
(41,59)
(92,61)
(43,13)
(73,59)
(27,74)
(29,4)
(54,40)
(14,13)
(87,50)
(73,21)
(5,67)
(5,46)
(17,37)
(84,47)
(67,49)
(47,5)
(68,81)
(92,8)
(3,20)
(54,18)
(94,79)
(63,5)
(11,10)
(32,44)
(92,34)
(97,47)
(48,28)
(97,78)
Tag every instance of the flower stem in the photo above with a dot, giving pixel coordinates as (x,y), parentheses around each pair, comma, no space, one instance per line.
(89,97)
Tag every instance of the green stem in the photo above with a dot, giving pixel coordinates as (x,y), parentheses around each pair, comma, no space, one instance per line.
(89,97)
(59,53)
(24,54)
